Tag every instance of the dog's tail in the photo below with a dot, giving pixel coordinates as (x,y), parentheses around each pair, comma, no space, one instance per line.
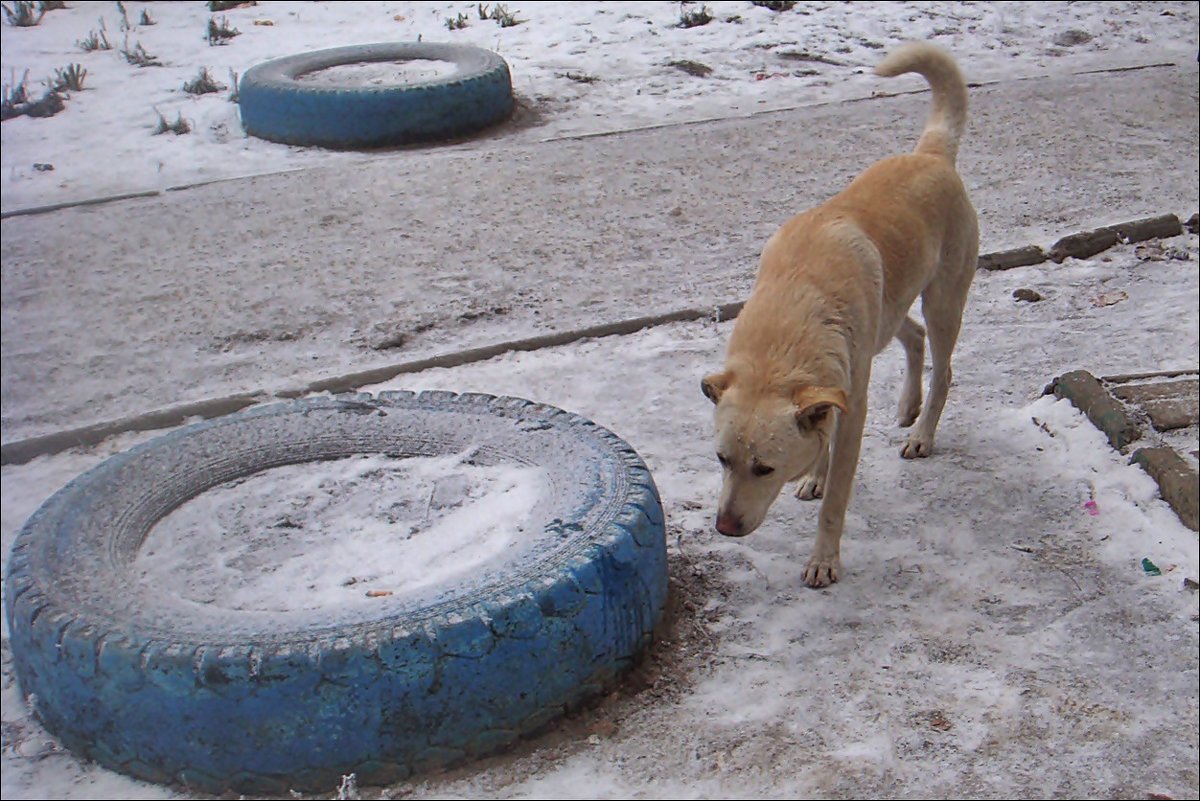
(946,122)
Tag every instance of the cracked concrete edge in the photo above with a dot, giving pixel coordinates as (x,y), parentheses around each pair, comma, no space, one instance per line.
(352,381)
(25,450)
(70,204)
(104,199)
(1178,483)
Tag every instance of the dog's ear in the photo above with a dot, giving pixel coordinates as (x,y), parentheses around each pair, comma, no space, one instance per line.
(714,385)
(813,405)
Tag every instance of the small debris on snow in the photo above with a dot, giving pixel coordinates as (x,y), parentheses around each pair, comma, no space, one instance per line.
(1110,298)
(938,721)
(348,790)
(693,68)
(1157,251)
(1150,568)
(579,77)
(1072,37)
(1042,426)
(1028,295)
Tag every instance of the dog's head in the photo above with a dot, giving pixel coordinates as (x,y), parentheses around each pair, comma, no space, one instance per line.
(765,438)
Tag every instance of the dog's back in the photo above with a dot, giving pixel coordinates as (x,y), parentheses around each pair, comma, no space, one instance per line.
(914,207)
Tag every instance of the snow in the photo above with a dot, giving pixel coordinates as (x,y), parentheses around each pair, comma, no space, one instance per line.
(349,533)
(993,634)
(377,73)
(627,47)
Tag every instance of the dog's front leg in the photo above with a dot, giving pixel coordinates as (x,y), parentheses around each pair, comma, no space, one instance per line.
(812,484)
(824,564)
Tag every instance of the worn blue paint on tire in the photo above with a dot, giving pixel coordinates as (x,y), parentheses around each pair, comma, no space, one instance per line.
(277,105)
(147,683)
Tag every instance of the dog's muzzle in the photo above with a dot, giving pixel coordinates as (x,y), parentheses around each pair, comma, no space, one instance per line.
(729,525)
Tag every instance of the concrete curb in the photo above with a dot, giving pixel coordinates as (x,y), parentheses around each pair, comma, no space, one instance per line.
(1085,244)
(352,381)
(1008,259)
(25,450)
(22,451)
(1178,483)
(1088,395)
(1088,243)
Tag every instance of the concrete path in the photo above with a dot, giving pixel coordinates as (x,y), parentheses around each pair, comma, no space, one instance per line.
(266,283)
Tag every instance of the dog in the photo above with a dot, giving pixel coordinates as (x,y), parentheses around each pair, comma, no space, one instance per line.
(834,286)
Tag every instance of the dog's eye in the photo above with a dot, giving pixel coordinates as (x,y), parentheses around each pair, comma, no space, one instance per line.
(762,470)
(721,458)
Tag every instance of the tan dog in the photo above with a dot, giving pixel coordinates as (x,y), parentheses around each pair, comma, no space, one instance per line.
(835,285)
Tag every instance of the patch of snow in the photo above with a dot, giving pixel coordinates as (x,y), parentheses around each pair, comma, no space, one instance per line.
(344,532)
(380,73)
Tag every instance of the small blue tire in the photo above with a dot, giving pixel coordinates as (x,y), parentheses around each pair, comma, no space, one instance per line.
(148,683)
(278,103)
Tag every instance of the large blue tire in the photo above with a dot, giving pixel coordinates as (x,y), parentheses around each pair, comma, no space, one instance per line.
(150,684)
(275,105)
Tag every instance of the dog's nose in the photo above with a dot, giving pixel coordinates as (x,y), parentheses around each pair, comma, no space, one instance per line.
(729,525)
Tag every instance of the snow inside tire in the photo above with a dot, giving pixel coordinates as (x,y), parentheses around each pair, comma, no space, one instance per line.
(170,690)
(279,105)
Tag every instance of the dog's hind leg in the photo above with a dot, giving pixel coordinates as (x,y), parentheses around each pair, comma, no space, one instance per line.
(942,307)
(912,337)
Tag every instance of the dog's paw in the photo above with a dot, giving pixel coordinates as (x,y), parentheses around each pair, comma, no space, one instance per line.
(821,572)
(908,414)
(810,488)
(917,447)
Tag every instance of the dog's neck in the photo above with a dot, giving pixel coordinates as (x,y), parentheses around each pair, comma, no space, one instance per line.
(813,349)
(816,361)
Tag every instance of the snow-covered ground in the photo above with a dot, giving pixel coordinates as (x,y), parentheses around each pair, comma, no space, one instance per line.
(994,634)
(103,143)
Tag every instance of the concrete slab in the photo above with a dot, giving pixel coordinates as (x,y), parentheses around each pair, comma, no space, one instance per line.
(153,302)
(1168,404)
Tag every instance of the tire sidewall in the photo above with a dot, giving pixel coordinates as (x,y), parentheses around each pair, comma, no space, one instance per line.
(384,698)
